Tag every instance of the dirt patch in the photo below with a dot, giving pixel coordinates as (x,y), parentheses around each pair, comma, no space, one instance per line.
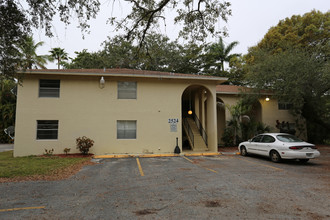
(56,175)
(214,203)
(146,212)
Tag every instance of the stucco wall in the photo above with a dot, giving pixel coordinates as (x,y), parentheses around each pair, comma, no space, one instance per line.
(269,113)
(84,109)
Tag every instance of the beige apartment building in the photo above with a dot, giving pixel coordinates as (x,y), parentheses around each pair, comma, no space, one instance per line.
(125,111)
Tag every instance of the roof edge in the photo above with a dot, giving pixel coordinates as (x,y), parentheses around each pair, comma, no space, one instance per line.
(137,75)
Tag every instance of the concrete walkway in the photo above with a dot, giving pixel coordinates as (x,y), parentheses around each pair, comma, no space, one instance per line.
(6,147)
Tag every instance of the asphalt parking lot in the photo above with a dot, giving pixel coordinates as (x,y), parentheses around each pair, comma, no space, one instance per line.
(218,187)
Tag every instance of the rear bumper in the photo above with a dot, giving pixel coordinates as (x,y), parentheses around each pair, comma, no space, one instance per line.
(299,155)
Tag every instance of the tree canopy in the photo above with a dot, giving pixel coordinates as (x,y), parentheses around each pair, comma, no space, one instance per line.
(198,19)
(158,53)
(293,61)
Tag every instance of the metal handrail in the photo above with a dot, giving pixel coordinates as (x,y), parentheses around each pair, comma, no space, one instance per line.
(190,133)
(200,128)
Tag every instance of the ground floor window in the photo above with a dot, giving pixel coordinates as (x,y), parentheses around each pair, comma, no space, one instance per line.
(47,129)
(126,129)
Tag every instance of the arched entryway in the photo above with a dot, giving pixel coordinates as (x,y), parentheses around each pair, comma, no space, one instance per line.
(199,119)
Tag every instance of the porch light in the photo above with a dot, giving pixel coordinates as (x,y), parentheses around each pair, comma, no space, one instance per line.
(102,82)
(267,99)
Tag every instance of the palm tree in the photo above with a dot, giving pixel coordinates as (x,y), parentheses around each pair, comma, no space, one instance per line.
(218,53)
(29,57)
(58,54)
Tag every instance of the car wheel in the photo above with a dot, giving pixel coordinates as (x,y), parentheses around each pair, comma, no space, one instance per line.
(243,151)
(303,160)
(275,157)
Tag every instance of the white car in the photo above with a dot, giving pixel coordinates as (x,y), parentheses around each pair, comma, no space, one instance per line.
(279,146)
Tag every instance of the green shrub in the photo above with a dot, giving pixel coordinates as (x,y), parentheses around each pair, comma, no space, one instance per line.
(83,144)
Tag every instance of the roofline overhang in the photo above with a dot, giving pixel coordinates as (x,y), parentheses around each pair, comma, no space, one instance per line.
(135,75)
(238,93)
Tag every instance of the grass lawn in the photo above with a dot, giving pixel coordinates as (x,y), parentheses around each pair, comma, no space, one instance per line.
(11,167)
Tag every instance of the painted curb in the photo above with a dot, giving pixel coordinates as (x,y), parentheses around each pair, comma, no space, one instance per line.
(113,156)
(201,154)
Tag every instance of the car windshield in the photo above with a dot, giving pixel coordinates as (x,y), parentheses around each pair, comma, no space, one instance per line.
(288,138)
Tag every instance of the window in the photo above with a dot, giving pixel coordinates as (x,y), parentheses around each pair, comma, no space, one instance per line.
(126,90)
(288,138)
(284,106)
(268,139)
(126,129)
(49,88)
(47,129)
(257,138)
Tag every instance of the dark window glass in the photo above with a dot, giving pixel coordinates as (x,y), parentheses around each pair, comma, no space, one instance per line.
(47,129)
(257,138)
(49,88)
(284,106)
(268,139)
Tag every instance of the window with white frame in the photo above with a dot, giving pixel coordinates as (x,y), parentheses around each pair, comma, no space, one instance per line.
(126,129)
(126,90)
(47,129)
(49,88)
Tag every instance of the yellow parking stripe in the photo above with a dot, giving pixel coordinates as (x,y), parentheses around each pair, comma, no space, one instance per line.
(200,165)
(25,208)
(275,168)
(139,165)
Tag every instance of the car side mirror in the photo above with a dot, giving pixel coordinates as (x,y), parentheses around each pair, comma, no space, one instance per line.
(249,140)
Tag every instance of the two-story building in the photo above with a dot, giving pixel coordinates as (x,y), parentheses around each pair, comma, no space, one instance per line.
(124,111)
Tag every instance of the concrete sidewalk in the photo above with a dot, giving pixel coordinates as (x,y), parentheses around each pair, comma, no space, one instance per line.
(6,147)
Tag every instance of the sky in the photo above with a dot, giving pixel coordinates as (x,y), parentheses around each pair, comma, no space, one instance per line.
(250,21)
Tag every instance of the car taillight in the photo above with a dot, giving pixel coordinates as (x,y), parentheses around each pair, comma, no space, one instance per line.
(301,147)
(296,148)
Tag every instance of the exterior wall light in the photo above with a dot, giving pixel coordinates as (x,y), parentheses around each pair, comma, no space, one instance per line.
(267,99)
(102,82)
(189,112)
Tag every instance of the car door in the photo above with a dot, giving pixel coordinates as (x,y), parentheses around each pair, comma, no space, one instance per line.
(254,144)
(265,145)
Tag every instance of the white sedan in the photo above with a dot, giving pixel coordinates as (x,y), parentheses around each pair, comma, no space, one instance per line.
(279,146)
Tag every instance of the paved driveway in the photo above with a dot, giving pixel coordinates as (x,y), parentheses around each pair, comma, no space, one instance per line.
(220,187)
(6,147)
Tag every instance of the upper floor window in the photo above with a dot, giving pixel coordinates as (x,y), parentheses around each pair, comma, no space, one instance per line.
(284,106)
(126,90)
(47,129)
(49,88)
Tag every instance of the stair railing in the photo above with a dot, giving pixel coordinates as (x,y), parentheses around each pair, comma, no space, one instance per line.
(190,133)
(200,128)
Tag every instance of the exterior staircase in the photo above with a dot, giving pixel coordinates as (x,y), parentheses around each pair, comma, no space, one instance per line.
(198,143)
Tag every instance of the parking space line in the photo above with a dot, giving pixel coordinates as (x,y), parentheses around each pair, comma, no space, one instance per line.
(24,208)
(139,165)
(275,168)
(199,165)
